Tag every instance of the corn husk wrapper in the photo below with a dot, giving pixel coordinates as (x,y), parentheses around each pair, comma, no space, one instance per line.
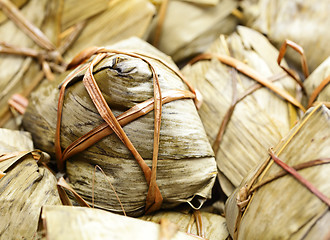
(316,78)
(186,166)
(302,215)
(184,35)
(304,22)
(64,222)
(259,121)
(25,188)
(19,73)
(213,225)
(71,27)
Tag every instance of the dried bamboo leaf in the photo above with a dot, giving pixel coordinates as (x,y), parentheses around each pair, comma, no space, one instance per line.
(314,81)
(74,12)
(304,22)
(13,141)
(213,225)
(186,167)
(64,222)
(303,215)
(259,120)
(184,35)
(121,19)
(25,188)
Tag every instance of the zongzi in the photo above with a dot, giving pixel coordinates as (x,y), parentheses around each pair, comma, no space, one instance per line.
(250,118)
(304,22)
(26,187)
(71,128)
(288,195)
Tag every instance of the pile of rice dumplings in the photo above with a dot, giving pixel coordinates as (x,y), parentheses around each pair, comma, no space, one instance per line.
(94,111)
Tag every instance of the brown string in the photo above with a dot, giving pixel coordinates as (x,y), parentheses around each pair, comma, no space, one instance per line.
(317,90)
(304,65)
(154,198)
(245,69)
(250,72)
(284,173)
(113,124)
(196,217)
(199,223)
(300,178)
(19,103)
(190,223)
(130,115)
(112,187)
(229,113)
(62,185)
(58,149)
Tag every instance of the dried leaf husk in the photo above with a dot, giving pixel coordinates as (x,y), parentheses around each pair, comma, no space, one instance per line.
(186,166)
(65,222)
(184,35)
(25,188)
(302,214)
(315,80)
(259,120)
(73,13)
(13,141)
(116,21)
(304,22)
(213,226)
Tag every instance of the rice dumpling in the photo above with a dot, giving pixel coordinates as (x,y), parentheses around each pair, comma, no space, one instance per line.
(249,117)
(186,168)
(288,195)
(304,22)
(26,186)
